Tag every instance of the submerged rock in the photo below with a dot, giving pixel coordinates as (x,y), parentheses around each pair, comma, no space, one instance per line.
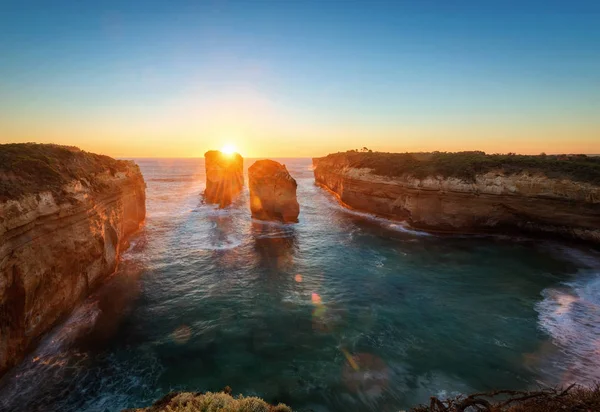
(65,216)
(224,177)
(272,192)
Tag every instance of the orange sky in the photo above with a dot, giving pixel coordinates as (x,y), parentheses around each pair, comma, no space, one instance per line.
(159,139)
(287,79)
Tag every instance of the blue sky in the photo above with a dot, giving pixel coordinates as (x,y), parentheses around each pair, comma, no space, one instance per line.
(301,77)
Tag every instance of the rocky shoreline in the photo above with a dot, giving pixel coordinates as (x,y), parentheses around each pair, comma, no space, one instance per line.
(60,238)
(499,200)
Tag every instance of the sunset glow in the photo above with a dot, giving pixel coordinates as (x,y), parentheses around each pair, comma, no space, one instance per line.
(345,206)
(229,149)
(292,90)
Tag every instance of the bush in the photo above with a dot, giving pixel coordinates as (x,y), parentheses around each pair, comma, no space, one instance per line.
(211,402)
(31,168)
(573,398)
(466,165)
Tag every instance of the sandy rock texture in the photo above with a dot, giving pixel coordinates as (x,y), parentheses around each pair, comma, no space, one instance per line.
(224,177)
(272,192)
(59,242)
(494,201)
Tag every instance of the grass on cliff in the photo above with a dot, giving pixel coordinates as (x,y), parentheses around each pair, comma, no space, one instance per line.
(466,165)
(30,168)
(211,402)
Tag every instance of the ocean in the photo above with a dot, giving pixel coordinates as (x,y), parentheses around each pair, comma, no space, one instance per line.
(339,312)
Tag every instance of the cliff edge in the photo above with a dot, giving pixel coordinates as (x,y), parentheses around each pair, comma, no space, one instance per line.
(65,216)
(470,192)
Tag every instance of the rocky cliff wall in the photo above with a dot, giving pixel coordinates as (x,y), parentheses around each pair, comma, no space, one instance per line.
(494,201)
(224,177)
(272,192)
(57,245)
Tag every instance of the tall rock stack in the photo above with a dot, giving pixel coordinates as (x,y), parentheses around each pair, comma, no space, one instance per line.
(272,192)
(224,177)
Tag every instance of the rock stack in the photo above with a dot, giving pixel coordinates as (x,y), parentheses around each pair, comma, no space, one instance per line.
(272,192)
(224,177)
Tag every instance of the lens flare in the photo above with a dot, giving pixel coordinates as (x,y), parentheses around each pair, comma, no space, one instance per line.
(228,149)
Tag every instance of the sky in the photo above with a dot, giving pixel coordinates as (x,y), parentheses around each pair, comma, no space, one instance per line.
(294,78)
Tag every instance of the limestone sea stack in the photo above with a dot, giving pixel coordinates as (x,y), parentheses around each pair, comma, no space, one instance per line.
(224,177)
(272,192)
(471,192)
(65,216)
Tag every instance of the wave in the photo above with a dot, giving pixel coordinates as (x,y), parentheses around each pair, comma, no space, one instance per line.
(389,223)
(405,228)
(570,314)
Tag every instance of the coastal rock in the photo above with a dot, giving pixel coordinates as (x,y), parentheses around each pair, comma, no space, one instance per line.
(65,216)
(496,200)
(224,177)
(272,192)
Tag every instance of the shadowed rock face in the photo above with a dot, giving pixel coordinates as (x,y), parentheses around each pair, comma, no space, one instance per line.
(224,177)
(272,192)
(493,201)
(57,243)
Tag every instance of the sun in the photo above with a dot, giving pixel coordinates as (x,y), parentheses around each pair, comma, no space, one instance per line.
(228,149)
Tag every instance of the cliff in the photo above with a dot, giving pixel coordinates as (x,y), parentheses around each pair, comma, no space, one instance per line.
(65,216)
(272,192)
(224,177)
(470,192)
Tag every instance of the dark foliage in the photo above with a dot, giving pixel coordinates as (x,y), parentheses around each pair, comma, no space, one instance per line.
(573,399)
(30,168)
(466,165)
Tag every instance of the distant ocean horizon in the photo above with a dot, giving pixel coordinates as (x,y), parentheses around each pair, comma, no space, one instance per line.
(291,157)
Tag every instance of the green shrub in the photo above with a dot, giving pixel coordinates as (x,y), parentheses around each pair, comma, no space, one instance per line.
(212,402)
(466,165)
(30,168)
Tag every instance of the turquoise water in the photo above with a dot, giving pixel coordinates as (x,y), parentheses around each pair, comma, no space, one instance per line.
(340,312)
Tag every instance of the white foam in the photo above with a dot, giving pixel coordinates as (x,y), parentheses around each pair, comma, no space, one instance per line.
(570,314)
(390,224)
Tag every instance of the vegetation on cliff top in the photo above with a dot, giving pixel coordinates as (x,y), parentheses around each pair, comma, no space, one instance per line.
(466,165)
(31,168)
(211,402)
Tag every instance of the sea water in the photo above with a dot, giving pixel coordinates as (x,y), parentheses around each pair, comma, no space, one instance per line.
(339,312)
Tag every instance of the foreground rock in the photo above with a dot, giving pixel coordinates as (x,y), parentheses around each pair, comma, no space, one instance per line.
(65,216)
(471,192)
(224,177)
(272,192)
(219,401)
(572,398)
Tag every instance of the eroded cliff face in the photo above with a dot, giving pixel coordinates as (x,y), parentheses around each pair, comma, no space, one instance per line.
(494,202)
(224,177)
(57,245)
(272,192)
